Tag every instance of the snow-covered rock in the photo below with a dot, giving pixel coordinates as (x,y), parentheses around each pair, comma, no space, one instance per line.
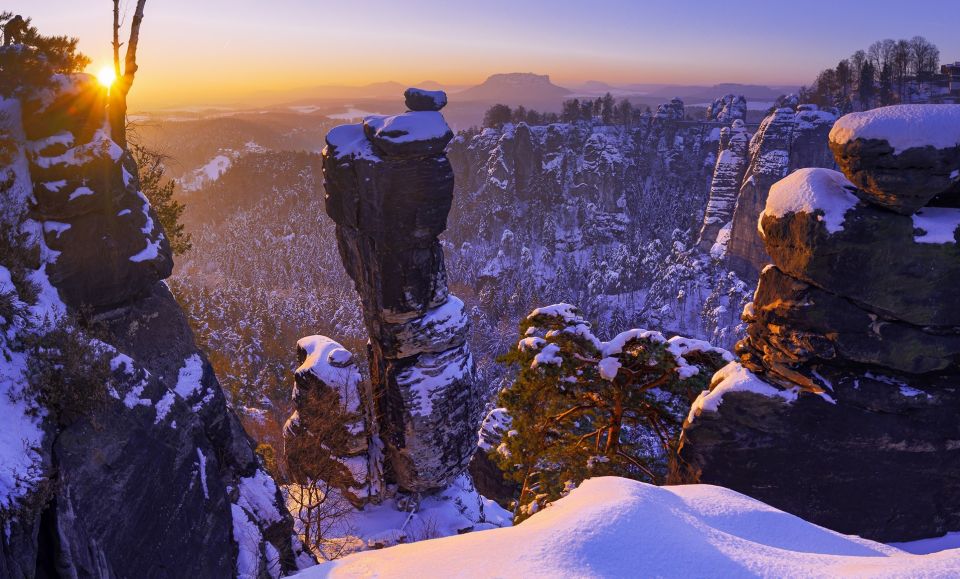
(856,323)
(389,188)
(154,467)
(791,137)
(728,174)
(903,156)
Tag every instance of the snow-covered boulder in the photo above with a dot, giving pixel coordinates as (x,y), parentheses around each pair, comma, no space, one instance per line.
(893,266)
(902,156)
(614,527)
(327,437)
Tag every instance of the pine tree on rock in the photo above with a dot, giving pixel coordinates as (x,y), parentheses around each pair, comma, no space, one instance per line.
(581,407)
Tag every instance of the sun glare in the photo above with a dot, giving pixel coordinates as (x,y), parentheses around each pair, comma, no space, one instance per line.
(106,76)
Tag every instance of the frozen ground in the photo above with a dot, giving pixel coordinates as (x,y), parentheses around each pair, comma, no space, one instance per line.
(614,527)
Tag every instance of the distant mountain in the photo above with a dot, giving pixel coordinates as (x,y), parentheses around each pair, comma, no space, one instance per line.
(516,88)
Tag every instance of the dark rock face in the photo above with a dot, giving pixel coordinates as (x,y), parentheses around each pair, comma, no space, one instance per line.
(418,99)
(874,261)
(903,182)
(875,462)
(161,480)
(788,139)
(113,249)
(725,186)
(795,322)
(389,188)
(849,418)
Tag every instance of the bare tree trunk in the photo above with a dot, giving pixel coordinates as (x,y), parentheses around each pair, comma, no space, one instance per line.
(121,88)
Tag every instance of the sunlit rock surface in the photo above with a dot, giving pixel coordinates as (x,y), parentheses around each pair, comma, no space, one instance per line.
(845,410)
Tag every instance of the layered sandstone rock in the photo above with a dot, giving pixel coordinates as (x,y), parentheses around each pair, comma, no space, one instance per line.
(728,174)
(389,188)
(112,247)
(848,418)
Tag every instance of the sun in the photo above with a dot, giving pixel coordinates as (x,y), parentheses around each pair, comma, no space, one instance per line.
(106,76)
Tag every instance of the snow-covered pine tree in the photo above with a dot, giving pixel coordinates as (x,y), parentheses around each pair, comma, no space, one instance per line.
(581,407)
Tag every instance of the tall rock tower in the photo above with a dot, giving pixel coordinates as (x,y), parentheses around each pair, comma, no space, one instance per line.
(843,407)
(389,187)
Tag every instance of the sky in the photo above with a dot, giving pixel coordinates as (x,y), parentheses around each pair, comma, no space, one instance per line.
(208,51)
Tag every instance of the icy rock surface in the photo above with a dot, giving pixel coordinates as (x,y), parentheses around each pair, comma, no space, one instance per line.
(389,197)
(614,527)
(856,322)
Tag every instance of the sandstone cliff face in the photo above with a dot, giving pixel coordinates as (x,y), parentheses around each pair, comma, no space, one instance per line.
(728,174)
(849,421)
(161,480)
(389,187)
(575,187)
(789,138)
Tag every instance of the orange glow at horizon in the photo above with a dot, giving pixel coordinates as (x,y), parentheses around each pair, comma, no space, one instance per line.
(244,51)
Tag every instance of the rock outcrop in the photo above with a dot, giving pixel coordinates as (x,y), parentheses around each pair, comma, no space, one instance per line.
(791,137)
(389,187)
(160,479)
(901,158)
(728,174)
(327,438)
(728,108)
(848,418)
(112,246)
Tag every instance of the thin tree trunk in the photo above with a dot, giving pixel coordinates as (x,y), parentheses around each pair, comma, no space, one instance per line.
(121,88)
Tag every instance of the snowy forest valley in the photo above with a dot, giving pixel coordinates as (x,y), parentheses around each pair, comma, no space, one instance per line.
(512,327)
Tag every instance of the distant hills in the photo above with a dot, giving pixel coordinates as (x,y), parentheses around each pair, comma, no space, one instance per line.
(467,103)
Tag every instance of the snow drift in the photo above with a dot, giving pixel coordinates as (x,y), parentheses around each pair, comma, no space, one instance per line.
(614,527)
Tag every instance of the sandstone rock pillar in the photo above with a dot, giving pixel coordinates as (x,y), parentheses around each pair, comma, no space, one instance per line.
(389,187)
